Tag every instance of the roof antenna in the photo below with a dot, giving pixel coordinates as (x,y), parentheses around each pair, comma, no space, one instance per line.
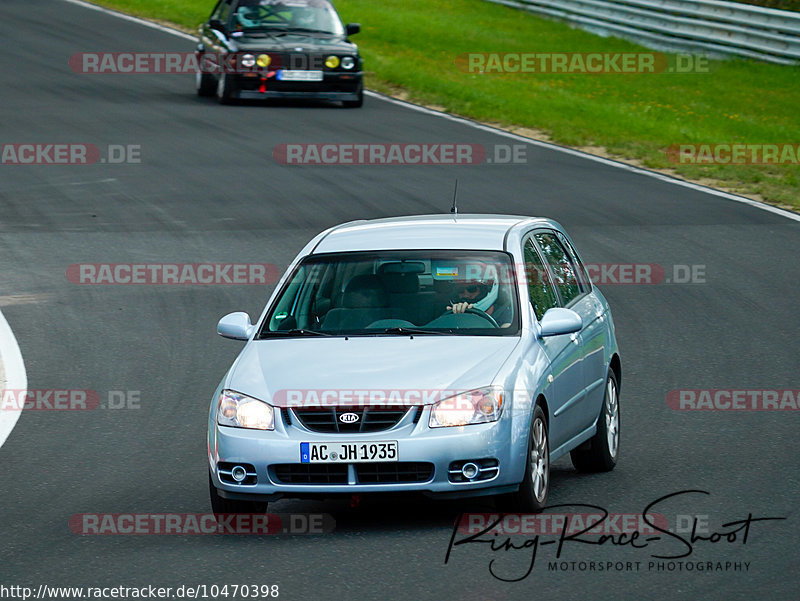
(454,208)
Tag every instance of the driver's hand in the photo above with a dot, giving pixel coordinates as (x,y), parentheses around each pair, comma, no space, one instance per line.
(459,307)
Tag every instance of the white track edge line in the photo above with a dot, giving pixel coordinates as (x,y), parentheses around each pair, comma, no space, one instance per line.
(16,378)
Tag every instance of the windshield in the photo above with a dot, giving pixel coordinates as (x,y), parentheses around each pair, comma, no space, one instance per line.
(398,293)
(283,15)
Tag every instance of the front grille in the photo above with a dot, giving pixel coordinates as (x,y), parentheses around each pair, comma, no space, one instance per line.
(370,419)
(366,473)
(387,473)
(302,473)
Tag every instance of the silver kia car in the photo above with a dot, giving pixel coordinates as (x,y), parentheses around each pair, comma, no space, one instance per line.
(452,355)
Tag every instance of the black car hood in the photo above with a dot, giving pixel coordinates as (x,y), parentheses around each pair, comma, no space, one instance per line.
(290,42)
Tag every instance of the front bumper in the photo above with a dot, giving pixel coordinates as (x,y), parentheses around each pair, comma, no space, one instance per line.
(417,443)
(334,87)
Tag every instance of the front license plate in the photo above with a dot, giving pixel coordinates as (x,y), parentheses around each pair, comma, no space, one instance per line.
(287,75)
(348,452)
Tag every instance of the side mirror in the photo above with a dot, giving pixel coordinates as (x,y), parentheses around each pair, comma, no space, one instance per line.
(236,326)
(558,321)
(218,25)
(352,28)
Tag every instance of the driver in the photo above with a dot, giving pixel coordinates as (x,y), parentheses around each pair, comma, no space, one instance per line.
(481,293)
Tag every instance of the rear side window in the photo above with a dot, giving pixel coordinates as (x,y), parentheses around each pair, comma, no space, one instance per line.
(562,266)
(540,289)
(583,275)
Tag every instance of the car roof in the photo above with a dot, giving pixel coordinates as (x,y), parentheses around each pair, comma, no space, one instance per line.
(447,231)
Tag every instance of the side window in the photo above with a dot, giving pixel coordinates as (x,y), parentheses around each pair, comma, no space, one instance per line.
(566,278)
(223,11)
(540,289)
(583,276)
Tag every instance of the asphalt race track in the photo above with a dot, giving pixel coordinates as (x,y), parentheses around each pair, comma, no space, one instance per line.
(208,190)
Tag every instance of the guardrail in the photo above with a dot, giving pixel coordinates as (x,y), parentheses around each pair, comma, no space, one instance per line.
(700,26)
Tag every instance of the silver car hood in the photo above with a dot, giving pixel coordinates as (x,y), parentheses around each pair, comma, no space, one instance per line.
(283,371)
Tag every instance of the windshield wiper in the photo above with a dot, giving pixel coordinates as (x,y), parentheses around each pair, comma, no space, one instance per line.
(295,332)
(403,331)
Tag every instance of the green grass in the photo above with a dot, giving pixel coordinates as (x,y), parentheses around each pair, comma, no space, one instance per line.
(410,47)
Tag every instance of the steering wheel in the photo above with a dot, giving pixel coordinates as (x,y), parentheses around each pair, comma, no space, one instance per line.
(254,16)
(484,314)
(478,312)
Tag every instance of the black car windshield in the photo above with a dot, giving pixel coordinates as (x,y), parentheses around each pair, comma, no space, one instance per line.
(287,15)
(398,293)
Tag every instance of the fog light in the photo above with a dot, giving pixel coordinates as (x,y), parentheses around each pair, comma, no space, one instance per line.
(470,471)
(238,473)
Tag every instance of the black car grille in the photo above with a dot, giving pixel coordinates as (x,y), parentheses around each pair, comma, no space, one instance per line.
(387,473)
(366,473)
(299,473)
(370,419)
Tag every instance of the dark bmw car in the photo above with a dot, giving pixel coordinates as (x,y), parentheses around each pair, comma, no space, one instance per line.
(254,49)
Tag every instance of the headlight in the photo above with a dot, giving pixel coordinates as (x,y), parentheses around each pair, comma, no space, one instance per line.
(332,62)
(472,407)
(241,411)
(348,62)
(248,60)
(263,60)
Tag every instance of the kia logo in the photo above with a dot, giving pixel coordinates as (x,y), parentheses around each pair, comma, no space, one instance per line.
(349,418)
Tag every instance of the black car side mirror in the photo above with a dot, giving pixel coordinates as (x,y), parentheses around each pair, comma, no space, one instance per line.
(217,24)
(352,28)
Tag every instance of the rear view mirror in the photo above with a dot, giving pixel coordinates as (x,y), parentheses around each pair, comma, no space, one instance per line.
(217,24)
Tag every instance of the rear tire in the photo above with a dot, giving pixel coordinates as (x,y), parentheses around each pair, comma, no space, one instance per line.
(532,494)
(600,453)
(221,505)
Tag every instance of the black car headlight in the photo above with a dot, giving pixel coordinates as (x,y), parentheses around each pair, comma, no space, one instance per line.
(348,62)
(248,60)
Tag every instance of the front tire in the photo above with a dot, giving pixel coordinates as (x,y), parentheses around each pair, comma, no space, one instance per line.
(205,84)
(599,453)
(225,91)
(532,494)
(221,505)
(355,104)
